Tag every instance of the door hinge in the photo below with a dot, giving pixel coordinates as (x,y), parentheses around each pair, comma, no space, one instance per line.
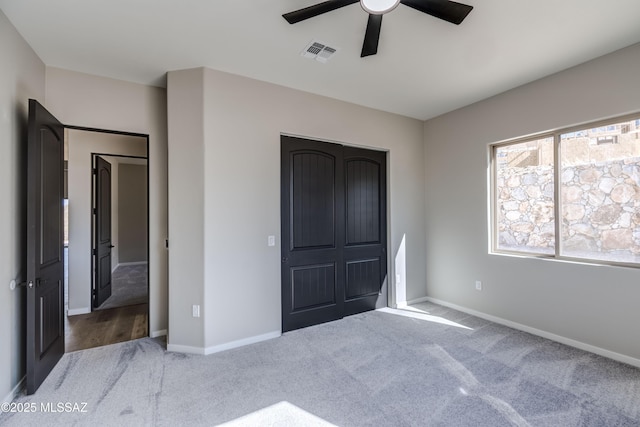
(95,171)
(93,252)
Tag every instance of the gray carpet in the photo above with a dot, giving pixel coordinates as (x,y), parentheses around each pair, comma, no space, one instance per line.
(128,286)
(444,368)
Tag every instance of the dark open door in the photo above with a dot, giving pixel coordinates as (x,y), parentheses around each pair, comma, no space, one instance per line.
(333,231)
(102,211)
(45,289)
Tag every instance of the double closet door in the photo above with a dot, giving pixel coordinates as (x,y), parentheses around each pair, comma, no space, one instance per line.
(334,235)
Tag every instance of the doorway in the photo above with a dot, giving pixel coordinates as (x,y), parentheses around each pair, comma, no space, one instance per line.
(334,231)
(56,258)
(123,314)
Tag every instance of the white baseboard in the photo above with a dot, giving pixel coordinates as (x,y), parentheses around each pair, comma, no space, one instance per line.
(405,304)
(160,333)
(125,264)
(76,311)
(544,334)
(185,349)
(242,342)
(16,390)
(223,347)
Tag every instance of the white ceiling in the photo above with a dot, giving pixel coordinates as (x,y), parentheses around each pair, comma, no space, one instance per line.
(424,66)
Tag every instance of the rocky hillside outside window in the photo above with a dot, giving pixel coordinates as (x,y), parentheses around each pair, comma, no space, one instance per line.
(572,194)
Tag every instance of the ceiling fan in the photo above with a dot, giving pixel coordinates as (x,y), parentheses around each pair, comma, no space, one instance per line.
(449,11)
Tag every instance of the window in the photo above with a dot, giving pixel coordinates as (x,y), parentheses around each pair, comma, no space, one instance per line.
(571,194)
(525,195)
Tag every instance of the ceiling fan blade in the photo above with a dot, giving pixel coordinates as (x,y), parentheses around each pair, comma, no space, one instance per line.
(315,10)
(444,9)
(371,36)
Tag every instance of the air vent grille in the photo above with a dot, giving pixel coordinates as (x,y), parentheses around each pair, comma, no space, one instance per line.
(319,51)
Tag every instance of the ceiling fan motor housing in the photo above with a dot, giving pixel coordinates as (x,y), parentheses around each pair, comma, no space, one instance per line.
(379,7)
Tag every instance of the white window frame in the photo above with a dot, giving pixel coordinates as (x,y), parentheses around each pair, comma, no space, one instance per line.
(557,202)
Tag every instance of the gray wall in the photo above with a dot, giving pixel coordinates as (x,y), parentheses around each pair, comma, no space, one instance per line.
(224,170)
(593,305)
(22,76)
(185,91)
(132,213)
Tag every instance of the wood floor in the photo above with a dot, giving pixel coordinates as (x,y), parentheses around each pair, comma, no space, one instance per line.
(104,327)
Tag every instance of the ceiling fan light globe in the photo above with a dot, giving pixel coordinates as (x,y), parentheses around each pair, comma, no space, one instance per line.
(378,7)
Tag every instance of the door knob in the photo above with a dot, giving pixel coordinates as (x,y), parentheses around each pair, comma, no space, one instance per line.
(13,285)
(28,284)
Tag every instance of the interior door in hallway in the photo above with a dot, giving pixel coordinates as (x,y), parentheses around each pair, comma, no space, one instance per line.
(333,231)
(102,229)
(45,255)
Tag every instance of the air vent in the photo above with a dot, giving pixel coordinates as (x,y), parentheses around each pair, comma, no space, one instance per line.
(318,51)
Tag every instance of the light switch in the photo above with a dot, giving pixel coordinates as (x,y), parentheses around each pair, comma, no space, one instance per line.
(271,241)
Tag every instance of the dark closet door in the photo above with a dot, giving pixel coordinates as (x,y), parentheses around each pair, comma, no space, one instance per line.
(102,211)
(365,239)
(45,290)
(312,276)
(333,231)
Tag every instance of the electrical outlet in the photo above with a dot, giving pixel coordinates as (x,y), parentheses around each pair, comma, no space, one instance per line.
(196,310)
(478,285)
(271,241)
(398,280)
